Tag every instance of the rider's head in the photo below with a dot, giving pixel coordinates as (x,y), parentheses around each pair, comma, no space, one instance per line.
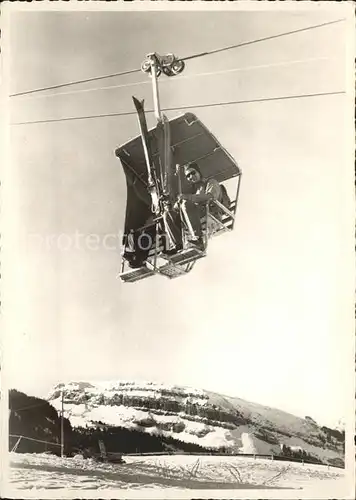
(192,173)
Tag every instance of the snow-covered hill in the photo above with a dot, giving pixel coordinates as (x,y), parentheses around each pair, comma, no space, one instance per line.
(176,473)
(195,416)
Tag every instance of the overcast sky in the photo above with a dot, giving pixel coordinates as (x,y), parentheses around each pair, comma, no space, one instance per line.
(264,316)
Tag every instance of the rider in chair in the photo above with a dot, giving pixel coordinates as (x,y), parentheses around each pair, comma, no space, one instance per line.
(194,205)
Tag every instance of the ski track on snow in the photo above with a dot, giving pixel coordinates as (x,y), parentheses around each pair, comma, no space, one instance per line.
(42,471)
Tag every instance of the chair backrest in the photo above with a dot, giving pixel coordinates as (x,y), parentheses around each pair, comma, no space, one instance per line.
(191,141)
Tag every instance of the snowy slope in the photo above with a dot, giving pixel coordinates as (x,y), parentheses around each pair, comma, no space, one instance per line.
(195,416)
(34,472)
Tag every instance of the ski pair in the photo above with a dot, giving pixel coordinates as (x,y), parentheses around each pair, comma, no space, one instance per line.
(164,147)
(160,187)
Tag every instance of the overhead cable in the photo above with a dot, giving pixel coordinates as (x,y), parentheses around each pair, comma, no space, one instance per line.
(179,78)
(194,56)
(264,39)
(67,84)
(195,106)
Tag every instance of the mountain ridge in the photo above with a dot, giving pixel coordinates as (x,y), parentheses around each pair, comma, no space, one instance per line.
(196,416)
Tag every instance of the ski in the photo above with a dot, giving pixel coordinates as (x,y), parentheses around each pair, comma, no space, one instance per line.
(165,155)
(151,174)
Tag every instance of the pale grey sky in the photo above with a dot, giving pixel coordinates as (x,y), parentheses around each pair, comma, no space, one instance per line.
(263,316)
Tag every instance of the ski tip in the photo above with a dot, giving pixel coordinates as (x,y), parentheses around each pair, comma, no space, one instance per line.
(137,102)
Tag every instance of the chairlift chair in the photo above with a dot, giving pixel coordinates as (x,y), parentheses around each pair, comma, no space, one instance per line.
(191,142)
(153,164)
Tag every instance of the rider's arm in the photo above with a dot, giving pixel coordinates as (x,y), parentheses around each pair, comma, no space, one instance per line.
(198,198)
(212,192)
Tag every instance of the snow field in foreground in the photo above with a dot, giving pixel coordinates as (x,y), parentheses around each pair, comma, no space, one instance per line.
(41,471)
